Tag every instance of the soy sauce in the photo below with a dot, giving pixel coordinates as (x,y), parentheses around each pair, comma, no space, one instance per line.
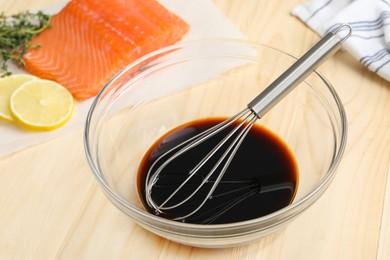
(262,177)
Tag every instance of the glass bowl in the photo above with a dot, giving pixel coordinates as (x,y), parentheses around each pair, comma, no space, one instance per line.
(210,78)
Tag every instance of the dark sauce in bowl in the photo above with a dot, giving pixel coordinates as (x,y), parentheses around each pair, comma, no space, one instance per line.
(262,177)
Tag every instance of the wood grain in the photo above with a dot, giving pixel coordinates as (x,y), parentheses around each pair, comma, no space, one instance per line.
(51,206)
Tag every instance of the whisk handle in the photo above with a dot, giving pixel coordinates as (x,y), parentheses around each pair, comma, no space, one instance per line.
(295,74)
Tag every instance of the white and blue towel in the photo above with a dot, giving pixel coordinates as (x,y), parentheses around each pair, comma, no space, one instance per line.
(370,21)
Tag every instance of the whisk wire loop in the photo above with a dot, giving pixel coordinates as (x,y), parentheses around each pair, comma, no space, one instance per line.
(152,176)
(203,161)
(227,157)
(239,131)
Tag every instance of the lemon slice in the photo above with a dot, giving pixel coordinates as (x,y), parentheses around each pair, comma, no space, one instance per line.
(41,105)
(7,87)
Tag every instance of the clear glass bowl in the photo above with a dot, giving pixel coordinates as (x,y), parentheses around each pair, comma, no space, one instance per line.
(210,78)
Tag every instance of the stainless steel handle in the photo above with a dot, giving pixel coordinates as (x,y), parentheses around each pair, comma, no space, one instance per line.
(295,74)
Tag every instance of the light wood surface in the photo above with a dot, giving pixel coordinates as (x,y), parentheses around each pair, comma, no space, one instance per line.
(51,205)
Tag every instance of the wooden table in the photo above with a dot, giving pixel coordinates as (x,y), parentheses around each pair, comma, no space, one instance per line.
(52,207)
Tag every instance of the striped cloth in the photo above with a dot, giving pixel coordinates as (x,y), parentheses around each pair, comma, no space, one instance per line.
(370,20)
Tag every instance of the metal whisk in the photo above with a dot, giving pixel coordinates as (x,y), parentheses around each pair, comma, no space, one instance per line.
(243,121)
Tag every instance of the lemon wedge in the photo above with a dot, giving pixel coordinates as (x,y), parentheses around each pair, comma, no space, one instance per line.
(41,105)
(7,86)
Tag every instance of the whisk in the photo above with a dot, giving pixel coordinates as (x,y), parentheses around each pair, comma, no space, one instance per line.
(242,122)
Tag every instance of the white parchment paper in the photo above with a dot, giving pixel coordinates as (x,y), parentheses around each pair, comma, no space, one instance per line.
(206,22)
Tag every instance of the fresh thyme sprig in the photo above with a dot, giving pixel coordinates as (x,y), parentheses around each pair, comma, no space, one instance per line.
(16,32)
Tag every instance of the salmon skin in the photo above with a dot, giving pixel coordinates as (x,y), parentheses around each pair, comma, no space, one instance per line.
(90,41)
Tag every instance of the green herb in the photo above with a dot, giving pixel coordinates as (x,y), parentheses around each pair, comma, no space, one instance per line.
(16,32)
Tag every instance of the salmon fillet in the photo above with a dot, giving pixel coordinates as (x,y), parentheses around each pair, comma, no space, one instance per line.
(90,41)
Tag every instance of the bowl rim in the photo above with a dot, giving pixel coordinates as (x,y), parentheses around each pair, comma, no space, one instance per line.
(297,207)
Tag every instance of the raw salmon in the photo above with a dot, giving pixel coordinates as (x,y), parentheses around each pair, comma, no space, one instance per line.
(90,41)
